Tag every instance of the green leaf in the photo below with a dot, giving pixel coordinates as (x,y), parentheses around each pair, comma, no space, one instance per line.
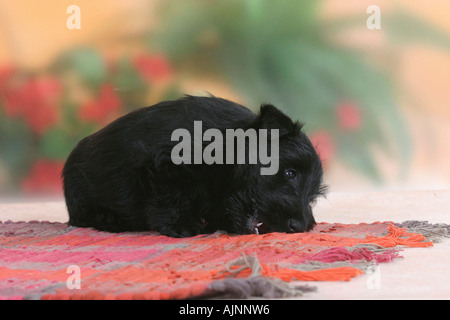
(16,149)
(88,64)
(405,28)
(354,79)
(129,84)
(56,144)
(127,78)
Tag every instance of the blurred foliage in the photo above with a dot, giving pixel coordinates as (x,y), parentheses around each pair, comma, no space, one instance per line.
(282,52)
(44,114)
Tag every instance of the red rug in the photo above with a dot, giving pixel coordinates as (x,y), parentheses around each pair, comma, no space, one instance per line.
(43,260)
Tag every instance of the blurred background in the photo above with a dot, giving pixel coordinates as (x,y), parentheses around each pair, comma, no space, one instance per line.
(373,87)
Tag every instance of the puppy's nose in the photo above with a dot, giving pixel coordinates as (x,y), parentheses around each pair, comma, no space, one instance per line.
(295,225)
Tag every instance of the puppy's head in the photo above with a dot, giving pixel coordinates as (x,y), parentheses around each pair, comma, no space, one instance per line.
(280,202)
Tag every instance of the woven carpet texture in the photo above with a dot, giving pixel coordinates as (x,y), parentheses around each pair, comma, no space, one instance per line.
(49,260)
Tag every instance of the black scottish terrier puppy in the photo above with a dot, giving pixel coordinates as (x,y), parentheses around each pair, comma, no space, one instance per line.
(125,177)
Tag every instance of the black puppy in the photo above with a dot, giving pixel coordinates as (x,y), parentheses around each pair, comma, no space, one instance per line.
(125,178)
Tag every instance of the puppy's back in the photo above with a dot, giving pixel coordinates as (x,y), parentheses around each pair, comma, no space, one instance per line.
(105,175)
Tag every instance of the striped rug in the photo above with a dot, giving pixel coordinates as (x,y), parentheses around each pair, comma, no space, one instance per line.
(45,260)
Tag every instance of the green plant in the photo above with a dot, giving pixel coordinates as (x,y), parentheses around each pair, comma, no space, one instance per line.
(282,52)
(44,114)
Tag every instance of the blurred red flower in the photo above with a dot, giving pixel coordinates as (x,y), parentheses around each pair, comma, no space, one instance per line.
(6,73)
(349,116)
(324,144)
(98,110)
(153,67)
(44,178)
(36,100)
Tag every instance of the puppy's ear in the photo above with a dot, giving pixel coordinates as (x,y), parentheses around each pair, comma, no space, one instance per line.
(272,118)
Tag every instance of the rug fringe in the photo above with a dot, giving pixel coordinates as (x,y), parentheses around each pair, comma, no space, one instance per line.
(432,232)
(249,266)
(318,265)
(257,286)
(257,281)
(398,237)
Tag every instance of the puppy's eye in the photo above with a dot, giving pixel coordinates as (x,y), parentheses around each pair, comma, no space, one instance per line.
(290,173)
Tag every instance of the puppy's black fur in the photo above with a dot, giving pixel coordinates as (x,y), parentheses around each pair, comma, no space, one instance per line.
(122,177)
